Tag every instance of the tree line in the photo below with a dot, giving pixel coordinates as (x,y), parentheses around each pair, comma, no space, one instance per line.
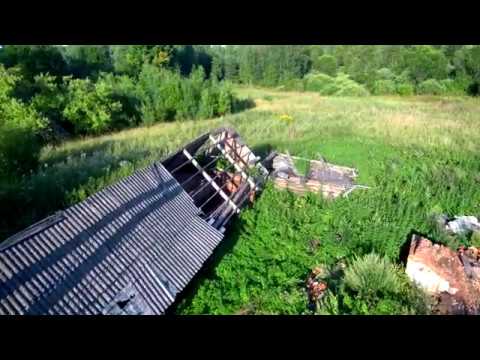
(354,69)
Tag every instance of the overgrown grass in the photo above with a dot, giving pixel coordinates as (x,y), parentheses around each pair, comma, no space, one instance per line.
(420,155)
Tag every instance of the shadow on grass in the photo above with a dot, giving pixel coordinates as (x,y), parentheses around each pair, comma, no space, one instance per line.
(240,105)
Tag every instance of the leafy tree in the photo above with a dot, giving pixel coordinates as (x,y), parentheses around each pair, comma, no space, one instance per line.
(89,106)
(88,60)
(34,60)
(20,130)
(326,64)
(425,62)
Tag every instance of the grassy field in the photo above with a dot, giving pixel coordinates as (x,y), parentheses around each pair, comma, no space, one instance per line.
(420,155)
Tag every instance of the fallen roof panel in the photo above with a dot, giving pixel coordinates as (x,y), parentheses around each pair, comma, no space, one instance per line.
(141,237)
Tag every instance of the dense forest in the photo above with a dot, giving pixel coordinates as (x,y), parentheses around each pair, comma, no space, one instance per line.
(51,92)
(354,69)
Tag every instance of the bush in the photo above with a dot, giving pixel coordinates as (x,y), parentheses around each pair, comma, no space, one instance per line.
(454,87)
(385,74)
(405,89)
(21,128)
(208,103)
(348,87)
(371,276)
(326,64)
(20,138)
(373,285)
(122,89)
(321,83)
(341,85)
(431,87)
(225,99)
(191,89)
(294,84)
(161,92)
(90,107)
(384,87)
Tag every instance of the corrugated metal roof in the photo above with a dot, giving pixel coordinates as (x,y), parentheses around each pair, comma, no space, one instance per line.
(128,249)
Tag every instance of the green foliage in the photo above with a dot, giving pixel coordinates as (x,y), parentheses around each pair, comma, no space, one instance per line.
(122,89)
(371,275)
(20,130)
(225,99)
(431,87)
(384,87)
(49,98)
(425,62)
(90,108)
(168,96)
(326,64)
(34,59)
(321,83)
(405,89)
(294,84)
(87,60)
(341,85)
(160,91)
(385,74)
(373,285)
(347,87)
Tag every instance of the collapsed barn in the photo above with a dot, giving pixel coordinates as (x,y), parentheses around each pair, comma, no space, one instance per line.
(134,246)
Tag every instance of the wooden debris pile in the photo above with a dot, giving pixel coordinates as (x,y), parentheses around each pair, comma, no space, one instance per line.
(322,177)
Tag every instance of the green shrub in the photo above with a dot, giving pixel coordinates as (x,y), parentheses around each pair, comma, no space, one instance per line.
(326,64)
(191,89)
(431,87)
(161,93)
(372,275)
(294,85)
(49,98)
(405,89)
(341,85)
(454,87)
(385,74)
(122,89)
(348,87)
(20,138)
(373,285)
(90,107)
(384,87)
(321,83)
(208,103)
(21,128)
(225,99)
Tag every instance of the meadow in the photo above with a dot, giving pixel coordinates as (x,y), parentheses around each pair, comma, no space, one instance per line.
(420,155)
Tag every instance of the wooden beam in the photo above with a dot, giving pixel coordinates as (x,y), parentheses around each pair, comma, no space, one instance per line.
(233,162)
(209,179)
